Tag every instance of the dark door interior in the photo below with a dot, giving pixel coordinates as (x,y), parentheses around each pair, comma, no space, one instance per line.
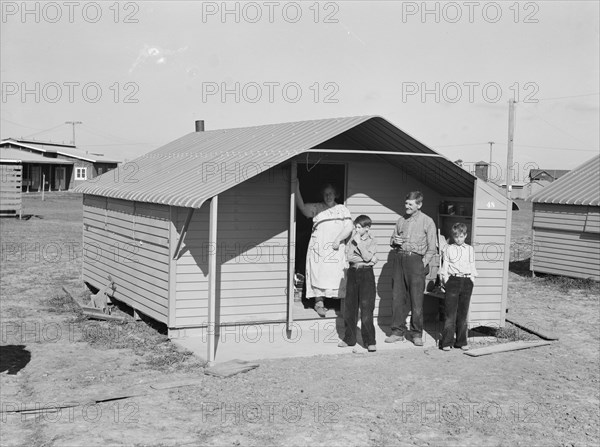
(312,179)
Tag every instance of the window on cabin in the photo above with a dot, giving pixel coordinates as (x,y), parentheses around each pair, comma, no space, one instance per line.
(592,221)
(80,173)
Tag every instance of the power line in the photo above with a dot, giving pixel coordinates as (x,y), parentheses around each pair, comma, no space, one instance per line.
(108,136)
(552,125)
(462,145)
(567,97)
(20,125)
(73,123)
(559,148)
(42,131)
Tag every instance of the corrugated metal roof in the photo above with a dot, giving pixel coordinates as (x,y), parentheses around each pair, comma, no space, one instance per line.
(581,186)
(187,171)
(67,152)
(15,155)
(554,173)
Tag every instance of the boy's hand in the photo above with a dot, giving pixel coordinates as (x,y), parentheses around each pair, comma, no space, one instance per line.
(335,245)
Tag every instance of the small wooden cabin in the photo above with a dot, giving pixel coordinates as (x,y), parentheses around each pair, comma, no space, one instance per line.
(54,166)
(204,234)
(11,204)
(566,224)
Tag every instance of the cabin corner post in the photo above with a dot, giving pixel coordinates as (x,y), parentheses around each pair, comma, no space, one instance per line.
(212,280)
(474,243)
(506,262)
(291,247)
(172,293)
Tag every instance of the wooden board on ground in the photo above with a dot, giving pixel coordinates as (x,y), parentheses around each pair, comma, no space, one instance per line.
(527,326)
(168,385)
(230,368)
(92,312)
(505,347)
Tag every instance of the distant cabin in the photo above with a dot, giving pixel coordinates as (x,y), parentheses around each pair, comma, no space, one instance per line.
(566,224)
(207,233)
(53,166)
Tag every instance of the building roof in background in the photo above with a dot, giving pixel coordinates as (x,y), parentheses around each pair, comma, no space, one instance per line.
(581,186)
(9,155)
(175,174)
(65,150)
(554,173)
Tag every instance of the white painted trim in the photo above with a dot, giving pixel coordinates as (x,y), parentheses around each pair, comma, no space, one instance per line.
(352,151)
(212,281)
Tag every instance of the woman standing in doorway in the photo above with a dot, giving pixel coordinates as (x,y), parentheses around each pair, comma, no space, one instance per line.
(326,256)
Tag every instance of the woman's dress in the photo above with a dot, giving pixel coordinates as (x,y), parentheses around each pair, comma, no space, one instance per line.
(325,267)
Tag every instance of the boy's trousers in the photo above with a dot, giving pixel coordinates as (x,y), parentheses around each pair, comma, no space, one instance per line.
(458,298)
(360,293)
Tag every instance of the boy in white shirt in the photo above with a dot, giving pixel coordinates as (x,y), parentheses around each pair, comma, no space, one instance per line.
(457,274)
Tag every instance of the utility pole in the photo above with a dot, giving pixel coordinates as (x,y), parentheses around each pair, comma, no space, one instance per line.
(511,136)
(73,123)
(491,143)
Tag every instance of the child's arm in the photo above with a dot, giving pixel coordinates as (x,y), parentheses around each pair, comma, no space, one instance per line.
(368,250)
(444,267)
(472,261)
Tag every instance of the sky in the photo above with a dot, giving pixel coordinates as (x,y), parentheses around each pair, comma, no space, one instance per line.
(138,74)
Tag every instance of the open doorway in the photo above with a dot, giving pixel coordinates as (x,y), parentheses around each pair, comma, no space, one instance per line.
(312,178)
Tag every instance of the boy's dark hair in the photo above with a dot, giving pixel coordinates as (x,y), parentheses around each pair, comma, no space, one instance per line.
(459,228)
(363,221)
(415,195)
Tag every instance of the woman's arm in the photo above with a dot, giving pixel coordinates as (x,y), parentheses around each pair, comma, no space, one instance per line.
(303,207)
(346,231)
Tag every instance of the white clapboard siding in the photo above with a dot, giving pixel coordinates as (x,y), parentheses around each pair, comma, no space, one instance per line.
(251,248)
(378,190)
(488,301)
(566,240)
(11,176)
(130,242)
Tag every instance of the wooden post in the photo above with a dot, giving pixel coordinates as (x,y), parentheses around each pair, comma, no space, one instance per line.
(212,280)
(291,247)
(43,185)
(511,136)
(509,176)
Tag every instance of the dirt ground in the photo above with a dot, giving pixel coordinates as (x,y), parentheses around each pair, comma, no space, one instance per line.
(546,396)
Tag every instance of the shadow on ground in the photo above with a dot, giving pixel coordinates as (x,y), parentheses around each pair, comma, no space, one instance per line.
(13,358)
(521,267)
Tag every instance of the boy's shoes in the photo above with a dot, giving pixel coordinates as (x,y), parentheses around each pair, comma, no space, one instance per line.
(446,348)
(464,348)
(358,349)
(343,344)
(417,341)
(372,348)
(321,311)
(394,338)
